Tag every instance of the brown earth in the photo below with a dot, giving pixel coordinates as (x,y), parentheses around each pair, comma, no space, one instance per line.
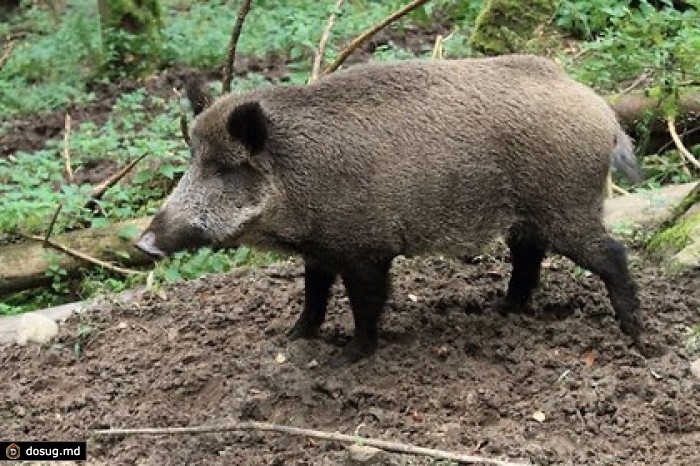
(449,373)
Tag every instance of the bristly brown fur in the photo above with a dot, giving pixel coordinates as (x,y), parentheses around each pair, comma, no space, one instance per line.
(409,158)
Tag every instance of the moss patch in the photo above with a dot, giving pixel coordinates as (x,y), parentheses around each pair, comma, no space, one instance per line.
(505,26)
(674,238)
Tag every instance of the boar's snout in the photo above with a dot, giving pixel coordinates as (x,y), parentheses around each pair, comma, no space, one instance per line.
(147,244)
(165,236)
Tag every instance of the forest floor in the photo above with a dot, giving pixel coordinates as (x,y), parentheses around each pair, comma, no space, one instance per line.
(450,373)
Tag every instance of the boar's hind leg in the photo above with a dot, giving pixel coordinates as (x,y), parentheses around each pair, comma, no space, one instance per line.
(317,287)
(367,288)
(606,258)
(527,249)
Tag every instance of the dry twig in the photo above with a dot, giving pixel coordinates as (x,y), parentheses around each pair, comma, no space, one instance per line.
(297,431)
(51,224)
(6,54)
(437,48)
(679,144)
(79,255)
(66,150)
(362,38)
(320,52)
(617,189)
(642,77)
(184,126)
(235,34)
(99,190)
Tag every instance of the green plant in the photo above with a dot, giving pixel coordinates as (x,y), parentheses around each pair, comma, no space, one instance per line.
(588,19)
(664,43)
(692,341)
(190,265)
(82,337)
(40,75)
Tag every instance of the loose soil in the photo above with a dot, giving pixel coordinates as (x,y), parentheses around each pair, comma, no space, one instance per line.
(450,373)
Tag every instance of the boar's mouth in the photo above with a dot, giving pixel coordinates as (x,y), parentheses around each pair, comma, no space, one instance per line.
(160,245)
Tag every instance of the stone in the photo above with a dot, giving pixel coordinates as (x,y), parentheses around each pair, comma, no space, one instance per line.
(366,455)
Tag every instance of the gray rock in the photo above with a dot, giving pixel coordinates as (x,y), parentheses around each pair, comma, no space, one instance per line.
(364,455)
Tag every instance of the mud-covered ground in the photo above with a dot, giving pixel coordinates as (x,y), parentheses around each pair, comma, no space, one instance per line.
(450,373)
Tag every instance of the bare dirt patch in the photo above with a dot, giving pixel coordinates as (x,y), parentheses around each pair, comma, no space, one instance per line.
(450,373)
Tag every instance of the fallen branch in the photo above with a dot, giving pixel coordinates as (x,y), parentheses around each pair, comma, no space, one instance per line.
(320,52)
(635,84)
(643,119)
(297,431)
(99,190)
(235,35)
(6,54)
(679,144)
(81,256)
(24,264)
(362,38)
(66,150)
(51,224)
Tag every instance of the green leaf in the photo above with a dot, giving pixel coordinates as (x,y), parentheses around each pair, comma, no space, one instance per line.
(128,232)
(99,222)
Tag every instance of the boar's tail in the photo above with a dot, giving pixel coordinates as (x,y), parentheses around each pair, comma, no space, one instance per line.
(624,160)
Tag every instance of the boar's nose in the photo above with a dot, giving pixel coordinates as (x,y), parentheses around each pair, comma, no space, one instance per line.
(147,244)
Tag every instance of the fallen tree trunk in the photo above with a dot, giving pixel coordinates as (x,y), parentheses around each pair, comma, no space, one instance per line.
(24,264)
(634,108)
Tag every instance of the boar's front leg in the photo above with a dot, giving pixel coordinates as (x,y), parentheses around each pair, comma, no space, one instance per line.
(317,288)
(367,287)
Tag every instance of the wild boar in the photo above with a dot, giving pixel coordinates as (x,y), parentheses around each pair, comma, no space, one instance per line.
(405,158)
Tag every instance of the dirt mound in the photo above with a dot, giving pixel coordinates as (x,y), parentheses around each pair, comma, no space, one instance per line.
(449,373)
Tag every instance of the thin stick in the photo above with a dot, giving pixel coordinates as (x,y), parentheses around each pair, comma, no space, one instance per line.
(679,144)
(235,34)
(362,38)
(297,431)
(66,150)
(635,83)
(79,255)
(6,54)
(51,225)
(184,126)
(320,52)
(687,132)
(99,190)
(437,48)
(617,189)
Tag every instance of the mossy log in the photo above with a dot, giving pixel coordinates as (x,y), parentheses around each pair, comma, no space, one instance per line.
(678,238)
(505,26)
(24,265)
(639,112)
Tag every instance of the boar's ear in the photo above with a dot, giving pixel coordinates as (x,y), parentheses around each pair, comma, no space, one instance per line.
(198,97)
(247,124)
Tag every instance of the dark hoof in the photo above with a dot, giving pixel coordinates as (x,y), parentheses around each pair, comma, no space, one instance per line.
(632,327)
(504,307)
(304,331)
